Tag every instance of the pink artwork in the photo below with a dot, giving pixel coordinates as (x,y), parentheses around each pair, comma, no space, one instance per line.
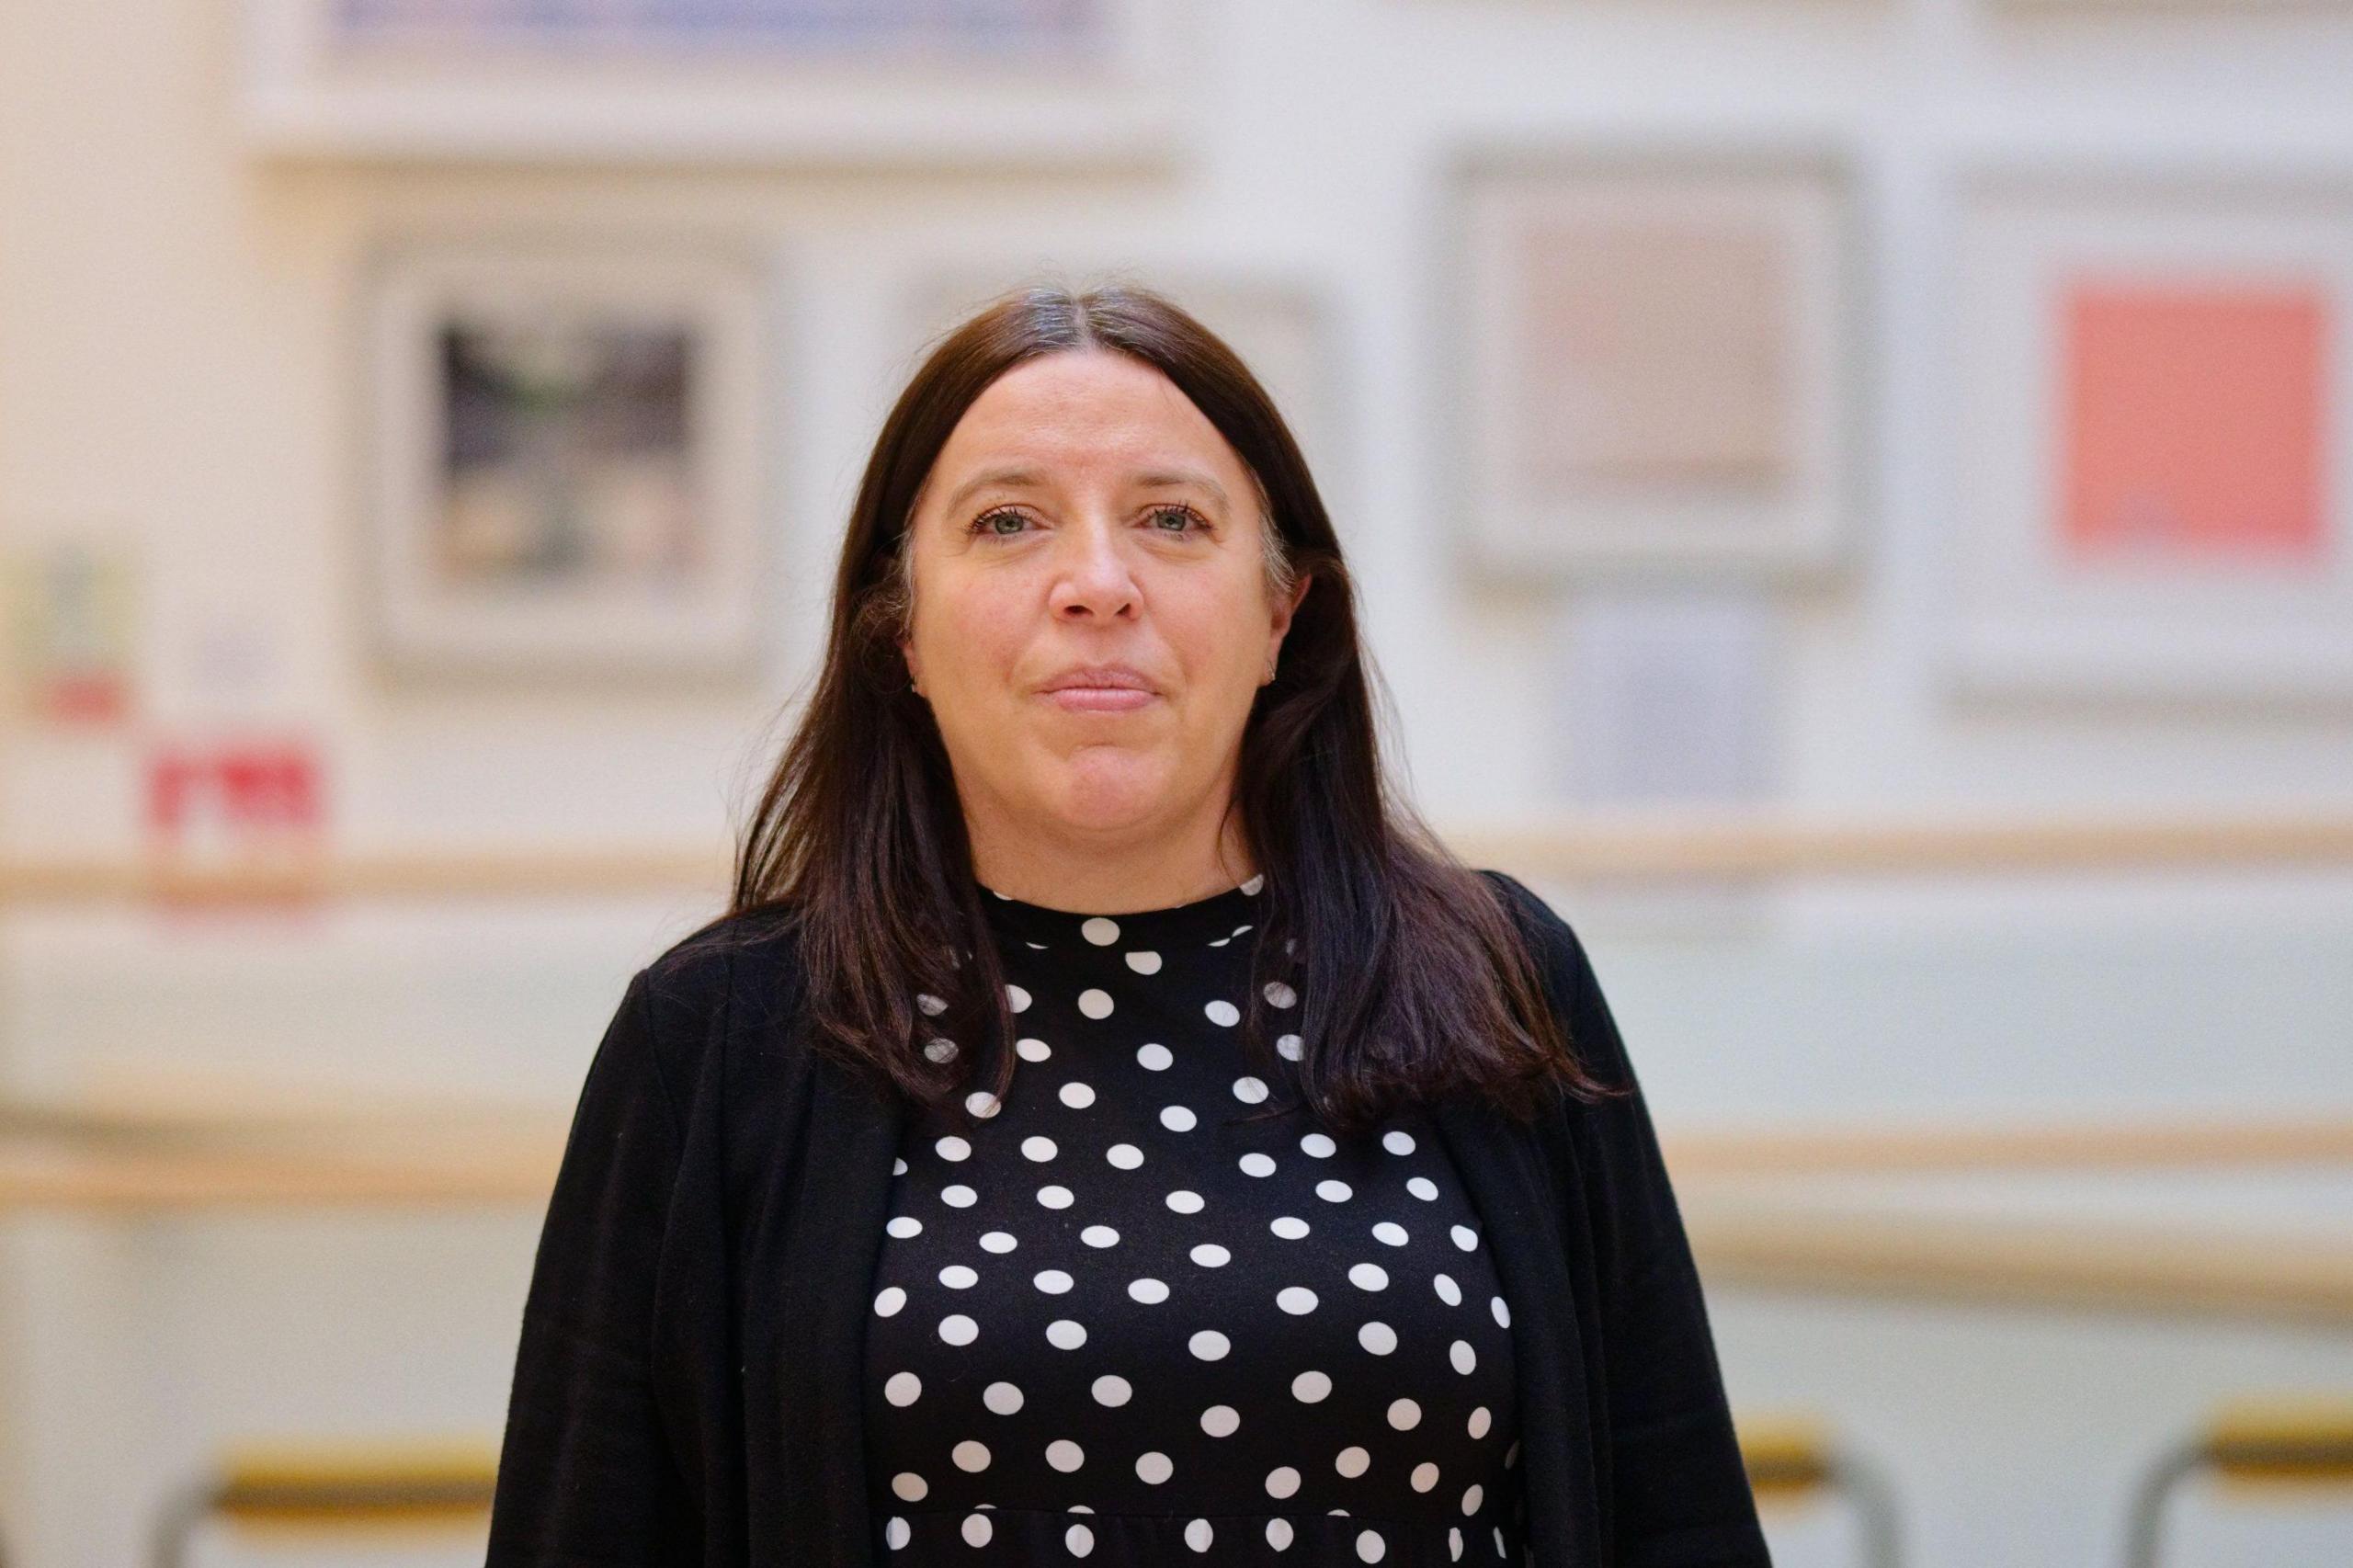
(2196,420)
(237,806)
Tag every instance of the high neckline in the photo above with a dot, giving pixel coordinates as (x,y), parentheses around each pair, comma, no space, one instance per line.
(1200,923)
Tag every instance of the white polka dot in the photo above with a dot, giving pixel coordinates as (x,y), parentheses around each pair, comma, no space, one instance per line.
(1064,1454)
(1112,1390)
(1311,1388)
(1471,1496)
(1037,1149)
(1352,1462)
(952,1148)
(958,1196)
(1500,1548)
(1223,1014)
(1371,1548)
(969,1456)
(1279,993)
(1099,1236)
(1209,1345)
(1177,1119)
(957,1277)
(1422,1188)
(1502,1312)
(1095,1002)
(888,1303)
(1257,881)
(1078,1097)
(1002,1397)
(1052,1281)
(1078,1540)
(1425,1476)
(1220,1420)
(910,1487)
(1064,1335)
(998,1241)
(904,1389)
(897,1532)
(1279,1533)
(1369,1276)
(898,1168)
(1390,1234)
(1054,1197)
(1296,1300)
(1289,1229)
(1154,1058)
(1184,1202)
(1249,1090)
(1257,1165)
(1376,1337)
(1017,999)
(1405,1414)
(1100,931)
(930,1004)
(977,1529)
(958,1329)
(1447,1291)
(1481,1420)
(1146,962)
(1126,1156)
(1333,1191)
(1288,1047)
(1151,1293)
(1198,1535)
(1032,1050)
(941,1048)
(1454,1545)
(1153,1468)
(1282,1481)
(1462,1356)
(904,1225)
(982,1104)
(1464,1236)
(1209,1255)
(1319,1145)
(1397,1143)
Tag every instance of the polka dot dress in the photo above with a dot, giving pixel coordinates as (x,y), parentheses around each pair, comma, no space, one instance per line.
(1116,1325)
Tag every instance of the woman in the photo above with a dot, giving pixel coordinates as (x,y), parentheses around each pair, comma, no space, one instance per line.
(1106,1126)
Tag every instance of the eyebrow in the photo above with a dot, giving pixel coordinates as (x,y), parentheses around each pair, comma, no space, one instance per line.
(1017,476)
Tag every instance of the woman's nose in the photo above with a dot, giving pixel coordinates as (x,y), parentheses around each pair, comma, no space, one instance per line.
(1095,574)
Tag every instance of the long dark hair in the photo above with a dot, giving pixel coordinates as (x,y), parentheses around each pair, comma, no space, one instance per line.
(1412,978)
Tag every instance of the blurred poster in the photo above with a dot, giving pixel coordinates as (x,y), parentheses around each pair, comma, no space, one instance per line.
(1667,694)
(230,806)
(798,26)
(70,622)
(2151,503)
(567,458)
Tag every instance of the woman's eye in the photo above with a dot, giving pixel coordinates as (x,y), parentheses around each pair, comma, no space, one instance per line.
(987,523)
(1183,514)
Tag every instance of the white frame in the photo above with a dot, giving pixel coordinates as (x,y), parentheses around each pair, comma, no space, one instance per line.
(2019,625)
(720,287)
(299,100)
(1810,192)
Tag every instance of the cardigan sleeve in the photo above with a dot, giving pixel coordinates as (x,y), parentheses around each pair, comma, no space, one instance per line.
(585,1473)
(1680,1493)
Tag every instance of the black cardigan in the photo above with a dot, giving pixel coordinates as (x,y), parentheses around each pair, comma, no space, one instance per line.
(687,1382)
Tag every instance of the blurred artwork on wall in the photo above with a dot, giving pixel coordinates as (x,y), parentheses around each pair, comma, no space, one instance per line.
(1668,693)
(1655,361)
(2156,412)
(887,80)
(69,621)
(226,807)
(565,468)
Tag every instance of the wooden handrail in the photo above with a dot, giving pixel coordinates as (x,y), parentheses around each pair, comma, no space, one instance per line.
(1627,844)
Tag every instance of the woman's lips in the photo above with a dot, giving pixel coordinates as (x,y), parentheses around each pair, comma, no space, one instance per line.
(1098,699)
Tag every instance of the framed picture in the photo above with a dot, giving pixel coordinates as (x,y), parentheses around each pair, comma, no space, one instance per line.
(1280,326)
(566,468)
(927,81)
(1654,360)
(2156,411)
(70,610)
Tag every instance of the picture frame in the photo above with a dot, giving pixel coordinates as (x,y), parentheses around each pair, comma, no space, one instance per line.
(1281,323)
(565,470)
(2155,421)
(1655,359)
(908,82)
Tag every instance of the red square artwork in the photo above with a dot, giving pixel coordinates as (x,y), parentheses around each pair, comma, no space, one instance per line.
(2195,423)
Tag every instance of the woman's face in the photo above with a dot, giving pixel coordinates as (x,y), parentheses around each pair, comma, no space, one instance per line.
(1084,513)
